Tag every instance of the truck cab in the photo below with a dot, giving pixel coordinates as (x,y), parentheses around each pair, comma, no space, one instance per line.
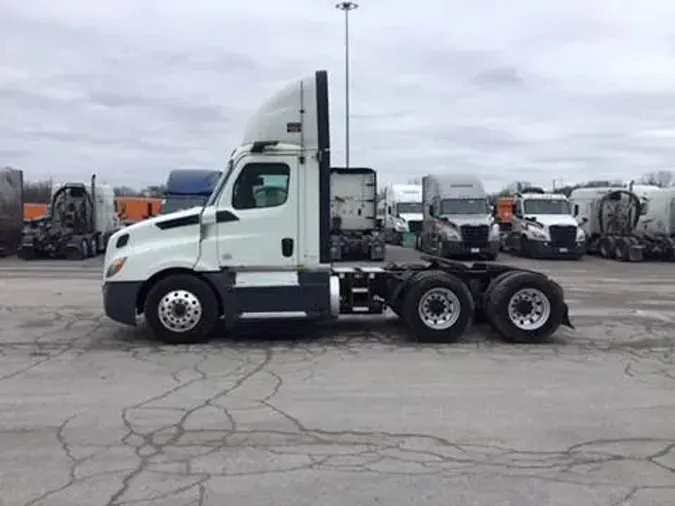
(458,218)
(543,226)
(403,211)
(260,248)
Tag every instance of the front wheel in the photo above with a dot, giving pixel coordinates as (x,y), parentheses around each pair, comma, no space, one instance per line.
(526,307)
(181,309)
(437,307)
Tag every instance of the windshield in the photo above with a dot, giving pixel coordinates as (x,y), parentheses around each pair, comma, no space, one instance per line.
(409,208)
(464,206)
(175,203)
(546,206)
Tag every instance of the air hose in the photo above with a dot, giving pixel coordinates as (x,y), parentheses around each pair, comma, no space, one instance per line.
(618,212)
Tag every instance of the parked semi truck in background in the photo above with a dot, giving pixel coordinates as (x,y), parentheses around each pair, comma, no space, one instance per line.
(401,211)
(458,218)
(79,222)
(240,258)
(355,234)
(11,210)
(186,188)
(543,227)
(627,223)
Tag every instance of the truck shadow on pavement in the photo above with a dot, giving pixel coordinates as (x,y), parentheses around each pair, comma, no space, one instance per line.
(347,332)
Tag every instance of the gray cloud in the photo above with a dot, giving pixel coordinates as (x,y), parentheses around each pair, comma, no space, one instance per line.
(509,90)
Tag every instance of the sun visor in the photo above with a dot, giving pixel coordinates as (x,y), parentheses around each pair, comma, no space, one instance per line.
(297,114)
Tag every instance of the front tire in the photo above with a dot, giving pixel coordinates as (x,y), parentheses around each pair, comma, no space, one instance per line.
(525,307)
(437,307)
(181,309)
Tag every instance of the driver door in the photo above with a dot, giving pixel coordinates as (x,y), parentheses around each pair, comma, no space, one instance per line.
(257,217)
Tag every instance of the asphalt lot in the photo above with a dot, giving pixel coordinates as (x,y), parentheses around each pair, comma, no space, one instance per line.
(97,414)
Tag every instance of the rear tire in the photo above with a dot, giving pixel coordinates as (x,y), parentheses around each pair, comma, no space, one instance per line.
(525,307)
(622,250)
(524,247)
(437,307)
(606,247)
(181,309)
(27,254)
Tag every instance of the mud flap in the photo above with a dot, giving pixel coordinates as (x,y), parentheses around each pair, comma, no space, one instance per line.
(566,318)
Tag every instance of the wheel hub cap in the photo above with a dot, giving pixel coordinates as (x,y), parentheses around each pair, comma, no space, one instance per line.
(179,311)
(529,309)
(439,308)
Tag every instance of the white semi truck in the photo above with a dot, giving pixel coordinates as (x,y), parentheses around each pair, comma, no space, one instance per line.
(355,234)
(543,227)
(401,210)
(245,258)
(458,218)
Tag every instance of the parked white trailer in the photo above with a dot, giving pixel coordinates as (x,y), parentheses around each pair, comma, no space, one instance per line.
(458,218)
(401,210)
(240,258)
(355,234)
(80,220)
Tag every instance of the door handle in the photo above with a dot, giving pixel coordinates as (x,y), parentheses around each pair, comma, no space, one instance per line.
(287,247)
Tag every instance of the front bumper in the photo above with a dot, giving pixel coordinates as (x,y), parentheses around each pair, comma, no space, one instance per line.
(119,301)
(544,249)
(459,248)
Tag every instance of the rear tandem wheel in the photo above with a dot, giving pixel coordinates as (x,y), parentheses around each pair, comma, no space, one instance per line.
(524,307)
(437,307)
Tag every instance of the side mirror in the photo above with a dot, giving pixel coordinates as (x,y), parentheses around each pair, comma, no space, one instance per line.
(208,216)
(494,212)
(514,209)
(584,220)
(431,210)
(389,210)
(444,218)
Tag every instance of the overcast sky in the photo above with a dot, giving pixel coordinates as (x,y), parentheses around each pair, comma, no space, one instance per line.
(509,89)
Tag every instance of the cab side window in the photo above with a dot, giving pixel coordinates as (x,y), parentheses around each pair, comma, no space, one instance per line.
(261,185)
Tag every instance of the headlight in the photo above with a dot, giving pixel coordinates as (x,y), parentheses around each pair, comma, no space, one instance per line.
(494,232)
(452,235)
(115,267)
(401,226)
(581,236)
(536,232)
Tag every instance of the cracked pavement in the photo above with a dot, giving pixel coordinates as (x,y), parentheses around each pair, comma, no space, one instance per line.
(349,414)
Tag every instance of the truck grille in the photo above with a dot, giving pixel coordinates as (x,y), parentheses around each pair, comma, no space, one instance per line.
(563,235)
(415,227)
(475,235)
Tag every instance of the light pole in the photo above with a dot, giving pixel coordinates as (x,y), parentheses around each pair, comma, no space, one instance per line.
(346,6)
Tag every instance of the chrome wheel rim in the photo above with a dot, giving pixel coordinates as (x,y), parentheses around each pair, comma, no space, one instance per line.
(179,311)
(529,309)
(439,308)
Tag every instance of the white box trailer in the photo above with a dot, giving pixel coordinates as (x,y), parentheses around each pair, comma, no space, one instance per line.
(239,258)
(355,233)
